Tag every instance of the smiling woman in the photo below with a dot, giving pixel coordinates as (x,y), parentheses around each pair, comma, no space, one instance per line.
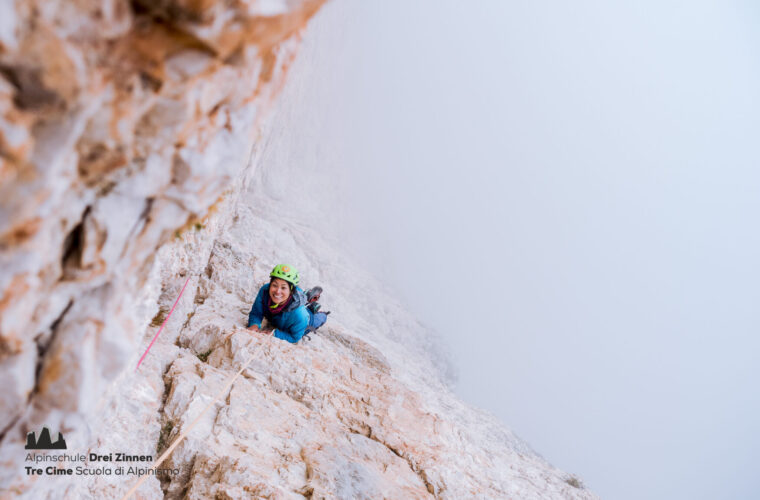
(284,306)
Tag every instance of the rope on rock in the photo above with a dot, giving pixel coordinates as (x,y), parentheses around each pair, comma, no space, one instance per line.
(184,433)
(163,324)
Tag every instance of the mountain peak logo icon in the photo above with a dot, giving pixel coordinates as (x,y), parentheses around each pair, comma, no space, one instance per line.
(44,442)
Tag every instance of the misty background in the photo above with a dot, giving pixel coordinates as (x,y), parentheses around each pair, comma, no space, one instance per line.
(569,194)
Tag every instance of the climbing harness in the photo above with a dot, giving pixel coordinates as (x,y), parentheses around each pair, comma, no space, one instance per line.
(311,329)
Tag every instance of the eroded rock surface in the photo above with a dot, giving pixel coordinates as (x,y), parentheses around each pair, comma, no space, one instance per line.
(338,416)
(126,131)
(125,125)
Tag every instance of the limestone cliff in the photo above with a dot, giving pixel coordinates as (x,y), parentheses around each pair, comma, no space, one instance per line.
(130,144)
(123,124)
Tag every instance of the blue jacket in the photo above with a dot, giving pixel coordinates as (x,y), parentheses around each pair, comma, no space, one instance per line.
(290,324)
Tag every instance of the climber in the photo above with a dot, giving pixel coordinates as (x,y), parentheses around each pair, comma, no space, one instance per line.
(286,307)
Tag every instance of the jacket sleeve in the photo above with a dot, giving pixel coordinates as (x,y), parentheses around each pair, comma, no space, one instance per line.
(295,330)
(256,316)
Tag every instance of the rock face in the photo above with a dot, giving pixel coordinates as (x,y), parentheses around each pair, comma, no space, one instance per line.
(123,124)
(338,416)
(130,135)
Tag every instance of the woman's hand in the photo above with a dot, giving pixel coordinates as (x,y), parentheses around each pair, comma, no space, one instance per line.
(255,328)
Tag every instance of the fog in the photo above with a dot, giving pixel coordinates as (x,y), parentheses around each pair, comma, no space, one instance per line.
(569,194)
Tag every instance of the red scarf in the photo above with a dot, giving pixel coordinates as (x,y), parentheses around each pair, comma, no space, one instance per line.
(279,307)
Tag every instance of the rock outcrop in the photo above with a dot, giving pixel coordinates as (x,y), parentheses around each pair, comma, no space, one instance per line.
(123,124)
(129,141)
(336,416)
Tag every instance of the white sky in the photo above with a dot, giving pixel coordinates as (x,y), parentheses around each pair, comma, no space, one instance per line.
(569,192)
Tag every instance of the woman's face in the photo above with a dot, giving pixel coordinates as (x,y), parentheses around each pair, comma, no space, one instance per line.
(279,291)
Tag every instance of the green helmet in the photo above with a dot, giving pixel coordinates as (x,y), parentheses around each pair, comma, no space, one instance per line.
(285,272)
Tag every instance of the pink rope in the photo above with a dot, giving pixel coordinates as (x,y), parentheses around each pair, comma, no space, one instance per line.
(163,325)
